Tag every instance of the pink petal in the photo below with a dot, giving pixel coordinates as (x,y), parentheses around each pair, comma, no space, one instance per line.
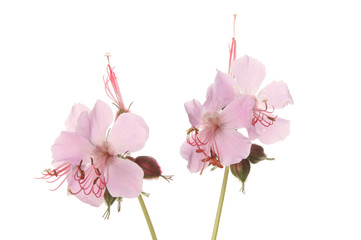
(211,101)
(249,74)
(225,88)
(252,132)
(128,134)
(276,94)
(71,147)
(220,93)
(274,133)
(71,121)
(194,110)
(238,113)
(84,125)
(195,164)
(125,178)
(232,146)
(90,199)
(100,118)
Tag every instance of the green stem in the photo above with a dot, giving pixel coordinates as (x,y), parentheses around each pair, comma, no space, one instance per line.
(220,203)
(147,218)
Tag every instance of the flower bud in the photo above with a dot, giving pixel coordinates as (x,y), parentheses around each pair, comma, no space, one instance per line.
(241,170)
(257,154)
(150,167)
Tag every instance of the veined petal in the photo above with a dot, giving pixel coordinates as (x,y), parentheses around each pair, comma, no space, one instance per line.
(249,74)
(71,147)
(277,95)
(194,110)
(278,131)
(72,120)
(100,118)
(232,146)
(238,113)
(125,178)
(194,159)
(128,134)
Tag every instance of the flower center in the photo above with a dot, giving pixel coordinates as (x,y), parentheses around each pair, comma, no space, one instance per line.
(212,122)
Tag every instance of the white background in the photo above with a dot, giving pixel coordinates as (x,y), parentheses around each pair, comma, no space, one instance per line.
(51,56)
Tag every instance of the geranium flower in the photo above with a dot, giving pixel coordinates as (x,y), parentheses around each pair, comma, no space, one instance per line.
(100,156)
(213,138)
(246,77)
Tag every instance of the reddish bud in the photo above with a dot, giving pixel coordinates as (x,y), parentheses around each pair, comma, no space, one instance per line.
(150,166)
(241,170)
(257,154)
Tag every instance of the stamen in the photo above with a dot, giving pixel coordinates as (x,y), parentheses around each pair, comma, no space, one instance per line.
(62,171)
(232,49)
(194,140)
(114,94)
(263,116)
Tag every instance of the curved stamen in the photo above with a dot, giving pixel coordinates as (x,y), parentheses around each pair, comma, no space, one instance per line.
(263,116)
(61,172)
(195,141)
(91,180)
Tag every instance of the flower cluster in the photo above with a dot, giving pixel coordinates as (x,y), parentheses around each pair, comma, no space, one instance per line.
(232,103)
(95,159)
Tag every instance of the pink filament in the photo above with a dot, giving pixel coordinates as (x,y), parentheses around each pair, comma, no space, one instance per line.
(195,141)
(114,95)
(91,180)
(263,116)
(56,174)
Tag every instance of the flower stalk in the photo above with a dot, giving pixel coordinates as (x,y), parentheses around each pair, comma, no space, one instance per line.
(147,218)
(220,203)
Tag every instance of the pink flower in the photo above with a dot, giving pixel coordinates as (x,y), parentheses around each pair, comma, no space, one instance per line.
(213,138)
(246,77)
(98,157)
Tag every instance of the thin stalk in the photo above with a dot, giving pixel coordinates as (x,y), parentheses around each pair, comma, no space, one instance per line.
(220,203)
(147,218)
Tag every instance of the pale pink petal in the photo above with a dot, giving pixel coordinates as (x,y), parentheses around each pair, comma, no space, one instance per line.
(249,74)
(128,134)
(84,126)
(224,84)
(194,110)
(211,100)
(194,159)
(274,133)
(71,121)
(276,94)
(100,118)
(125,178)
(232,146)
(71,147)
(238,113)
(220,93)
(91,199)
(252,132)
